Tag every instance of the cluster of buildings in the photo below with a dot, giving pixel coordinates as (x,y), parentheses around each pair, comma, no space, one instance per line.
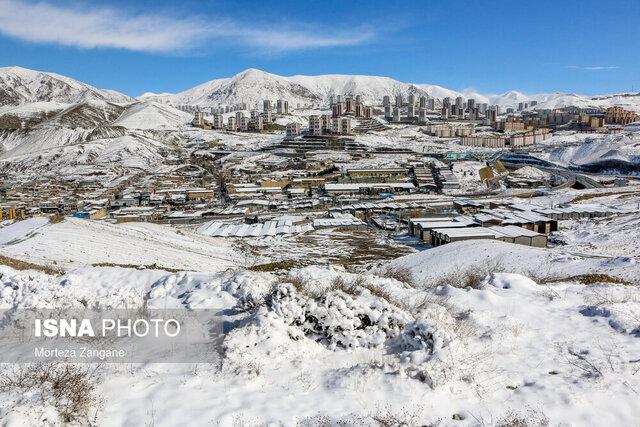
(410,110)
(506,140)
(620,116)
(345,110)
(129,198)
(239,121)
(301,184)
(517,223)
(449,129)
(324,124)
(450,118)
(466,110)
(350,105)
(573,118)
(280,106)
(221,109)
(526,104)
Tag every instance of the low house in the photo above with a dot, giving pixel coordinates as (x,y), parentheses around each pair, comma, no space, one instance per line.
(426,230)
(199,193)
(338,220)
(443,236)
(91,213)
(414,223)
(519,235)
(526,219)
(377,175)
(467,207)
(135,214)
(535,222)
(486,220)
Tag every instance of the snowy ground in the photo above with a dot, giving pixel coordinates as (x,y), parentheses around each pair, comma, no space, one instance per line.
(468,175)
(322,346)
(606,237)
(77,242)
(351,248)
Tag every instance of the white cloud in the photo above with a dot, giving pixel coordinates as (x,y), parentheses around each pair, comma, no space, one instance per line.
(107,28)
(593,67)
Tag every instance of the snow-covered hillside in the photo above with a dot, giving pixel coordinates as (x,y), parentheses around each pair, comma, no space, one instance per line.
(618,151)
(152,115)
(92,242)
(20,85)
(89,137)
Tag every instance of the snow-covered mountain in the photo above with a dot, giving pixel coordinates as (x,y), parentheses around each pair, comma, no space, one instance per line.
(252,86)
(20,86)
(89,136)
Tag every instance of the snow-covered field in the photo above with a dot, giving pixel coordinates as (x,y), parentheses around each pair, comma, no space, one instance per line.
(76,242)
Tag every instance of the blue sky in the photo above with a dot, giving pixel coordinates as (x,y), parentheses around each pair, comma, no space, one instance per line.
(587,46)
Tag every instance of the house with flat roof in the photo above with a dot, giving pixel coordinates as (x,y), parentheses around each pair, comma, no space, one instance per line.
(443,236)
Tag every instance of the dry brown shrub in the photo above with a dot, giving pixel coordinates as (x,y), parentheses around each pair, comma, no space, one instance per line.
(70,389)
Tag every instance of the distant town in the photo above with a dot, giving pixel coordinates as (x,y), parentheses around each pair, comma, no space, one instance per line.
(294,191)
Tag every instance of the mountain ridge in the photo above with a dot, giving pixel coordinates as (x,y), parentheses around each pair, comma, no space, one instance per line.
(251,86)
(20,86)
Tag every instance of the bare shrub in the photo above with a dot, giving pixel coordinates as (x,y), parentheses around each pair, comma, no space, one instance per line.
(337,319)
(540,276)
(68,388)
(585,279)
(400,274)
(402,418)
(55,219)
(470,276)
(590,279)
(426,299)
(530,418)
(305,286)
(581,361)
(17,264)
(297,283)
(321,420)
(386,418)
(350,288)
(357,285)
(603,296)
(315,421)
(273,266)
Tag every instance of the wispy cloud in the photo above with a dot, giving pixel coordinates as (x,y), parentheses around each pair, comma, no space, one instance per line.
(593,67)
(86,27)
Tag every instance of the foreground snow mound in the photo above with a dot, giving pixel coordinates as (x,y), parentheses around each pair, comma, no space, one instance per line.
(338,320)
(26,289)
(323,344)
(334,311)
(192,291)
